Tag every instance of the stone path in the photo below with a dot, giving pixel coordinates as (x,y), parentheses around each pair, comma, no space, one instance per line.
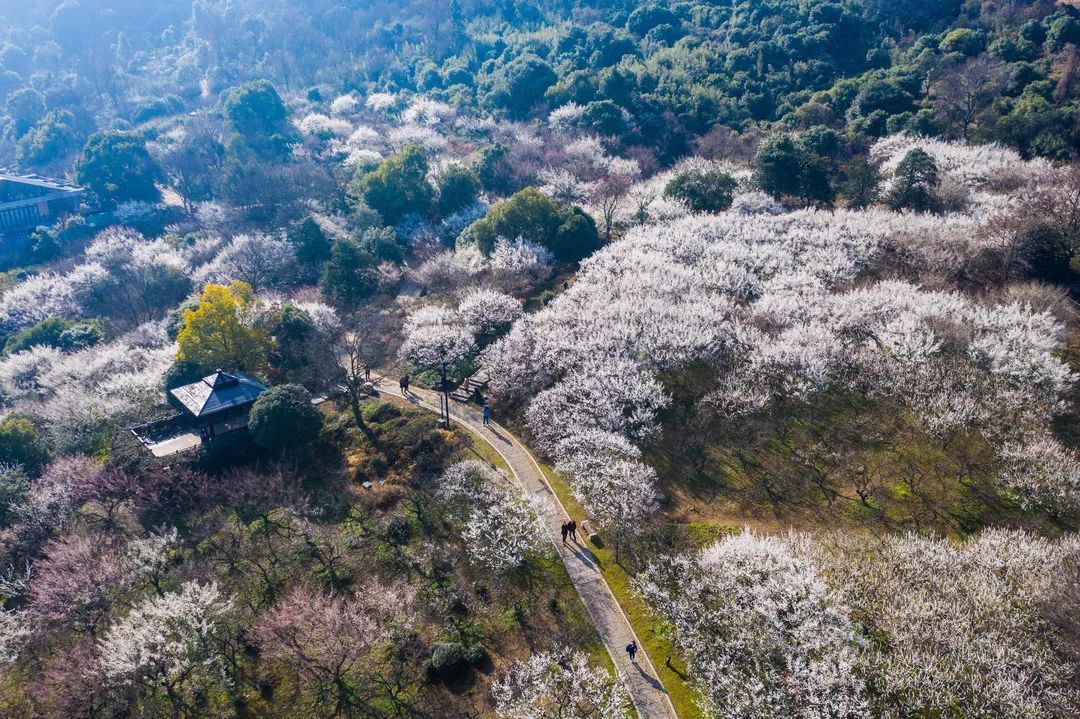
(640,678)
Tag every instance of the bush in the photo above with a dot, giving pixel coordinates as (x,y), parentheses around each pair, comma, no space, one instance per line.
(702,190)
(283,416)
(567,231)
(57,332)
(21,444)
(448,660)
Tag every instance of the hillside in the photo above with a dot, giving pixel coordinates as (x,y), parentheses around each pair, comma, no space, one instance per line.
(775,299)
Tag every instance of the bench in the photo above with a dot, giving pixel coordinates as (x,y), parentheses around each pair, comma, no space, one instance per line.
(590,533)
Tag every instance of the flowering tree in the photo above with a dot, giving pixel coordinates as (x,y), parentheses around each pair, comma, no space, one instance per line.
(262,261)
(486,312)
(14,632)
(763,633)
(502,528)
(78,582)
(559,684)
(957,627)
(335,646)
(168,645)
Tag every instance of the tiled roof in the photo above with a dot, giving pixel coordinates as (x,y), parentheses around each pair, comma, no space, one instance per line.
(219,392)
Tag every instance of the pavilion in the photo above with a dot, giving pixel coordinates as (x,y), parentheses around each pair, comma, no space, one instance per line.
(219,402)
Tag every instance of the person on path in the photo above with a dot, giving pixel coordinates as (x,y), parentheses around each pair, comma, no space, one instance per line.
(565,530)
(573,530)
(487,412)
(631,649)
(404,384)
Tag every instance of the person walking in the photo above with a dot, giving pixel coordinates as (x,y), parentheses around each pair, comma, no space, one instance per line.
(404,384)
(487,412)
(565,530)
(631,649)
(573,530)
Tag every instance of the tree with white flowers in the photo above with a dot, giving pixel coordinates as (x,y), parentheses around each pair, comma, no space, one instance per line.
(559,684)
(957,628)
(763,633)
(168,645)
(502,527)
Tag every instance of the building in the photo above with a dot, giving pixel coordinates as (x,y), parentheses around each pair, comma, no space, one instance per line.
(220,402)
(29,201)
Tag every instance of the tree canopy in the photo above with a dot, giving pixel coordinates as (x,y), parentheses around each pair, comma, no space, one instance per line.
(117,167)
(220,333)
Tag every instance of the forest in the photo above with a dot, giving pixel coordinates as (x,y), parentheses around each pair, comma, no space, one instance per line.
(347,307)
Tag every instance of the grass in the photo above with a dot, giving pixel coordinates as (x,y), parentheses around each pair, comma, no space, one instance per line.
(644,622)
(841,462)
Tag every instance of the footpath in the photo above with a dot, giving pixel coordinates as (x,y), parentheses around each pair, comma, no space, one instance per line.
(640,678)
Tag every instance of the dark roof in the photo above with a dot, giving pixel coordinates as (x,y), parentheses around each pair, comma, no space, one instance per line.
(29,189)
(219,392)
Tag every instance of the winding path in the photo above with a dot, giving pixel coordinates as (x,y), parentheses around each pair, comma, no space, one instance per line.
(640,678)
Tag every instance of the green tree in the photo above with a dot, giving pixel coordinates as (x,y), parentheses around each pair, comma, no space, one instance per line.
(567,231)
(22,444)
(493,168)
(25,107)
(57,332)
(221,333)
(308,240)
(399,185)
(520,84)
(650,16)
(256,112)
(458,187)
(349,276)
(860,187)
(54,137)
(914,182)
(116,167)
(965,41)
(702,189)
(604,117)
(778,165)
(1064,30)
(798,167)
(283,416)
(885,95)
(14,489)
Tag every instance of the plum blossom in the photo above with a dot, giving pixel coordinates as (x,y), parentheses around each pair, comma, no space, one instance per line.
(559,684)
(763,633)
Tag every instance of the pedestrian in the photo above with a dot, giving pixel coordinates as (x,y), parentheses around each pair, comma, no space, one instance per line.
(631,649)
(367,374)
(565,530)
(573,530)
(487,412)
(404,384)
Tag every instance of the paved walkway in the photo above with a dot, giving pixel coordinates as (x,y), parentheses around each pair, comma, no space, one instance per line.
(648,694)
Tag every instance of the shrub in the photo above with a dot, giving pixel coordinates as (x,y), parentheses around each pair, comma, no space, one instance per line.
(702,190)
(448,660)
(21,443)
(283,416)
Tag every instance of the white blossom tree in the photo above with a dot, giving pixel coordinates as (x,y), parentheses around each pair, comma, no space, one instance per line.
(502,527)
(762,632)
(167,644)
(559,684)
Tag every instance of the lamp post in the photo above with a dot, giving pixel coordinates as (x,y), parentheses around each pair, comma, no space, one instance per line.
(444,397)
